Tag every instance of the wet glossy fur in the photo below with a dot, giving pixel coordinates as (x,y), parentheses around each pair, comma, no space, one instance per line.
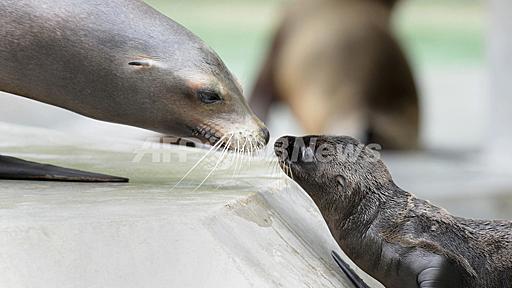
(119,61)
(401,240)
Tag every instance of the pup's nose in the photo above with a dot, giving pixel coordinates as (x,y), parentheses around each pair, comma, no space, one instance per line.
(266,135)
(286,142)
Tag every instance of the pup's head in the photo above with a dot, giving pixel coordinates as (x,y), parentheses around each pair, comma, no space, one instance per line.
(333,169)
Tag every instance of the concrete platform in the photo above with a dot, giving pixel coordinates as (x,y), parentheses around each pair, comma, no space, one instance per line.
(239,229)
(245,226)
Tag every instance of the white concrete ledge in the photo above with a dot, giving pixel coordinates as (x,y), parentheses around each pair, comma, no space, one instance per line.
(251,230)
(246,229)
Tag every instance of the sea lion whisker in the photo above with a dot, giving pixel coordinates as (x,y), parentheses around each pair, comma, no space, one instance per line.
(282,180)
(251,151)
(236,156)
(263,152)
(242,154)
(271,160)
(243,157)
(280,172)
(270,164)
(272,168)
(291,173)
(257,146)
(213,149)
(276,169)
(290,176)
(224,153)
(239,163)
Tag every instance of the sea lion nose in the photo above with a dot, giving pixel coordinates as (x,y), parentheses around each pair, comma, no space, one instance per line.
(285,143)
(266,135)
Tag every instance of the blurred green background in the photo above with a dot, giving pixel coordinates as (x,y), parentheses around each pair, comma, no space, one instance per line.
(445,41)
(434,32)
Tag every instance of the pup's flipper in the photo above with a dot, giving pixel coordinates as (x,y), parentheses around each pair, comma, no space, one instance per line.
(16,169)
(351,275)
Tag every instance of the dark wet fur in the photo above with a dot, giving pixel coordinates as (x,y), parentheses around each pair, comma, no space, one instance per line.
(401,240)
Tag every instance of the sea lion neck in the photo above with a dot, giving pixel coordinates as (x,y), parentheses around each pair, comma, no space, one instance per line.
(358,212)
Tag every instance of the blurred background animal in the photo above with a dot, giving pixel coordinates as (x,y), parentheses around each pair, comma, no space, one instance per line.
(338,66)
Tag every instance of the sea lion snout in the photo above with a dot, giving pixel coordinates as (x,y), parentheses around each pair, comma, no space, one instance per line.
(266,135)
(245,136)
(313,159)
(283,147)
(296,149)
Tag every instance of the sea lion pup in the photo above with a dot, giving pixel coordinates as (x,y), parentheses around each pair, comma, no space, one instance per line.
(338,66)
(400,240)
(119,61)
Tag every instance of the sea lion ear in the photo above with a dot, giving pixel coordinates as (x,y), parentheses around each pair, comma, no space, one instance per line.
(341,181)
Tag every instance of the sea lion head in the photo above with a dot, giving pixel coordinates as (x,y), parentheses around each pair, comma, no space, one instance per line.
(124,62)
(333,169)
(191,93)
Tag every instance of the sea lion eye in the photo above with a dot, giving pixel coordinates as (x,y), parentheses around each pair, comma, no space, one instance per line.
(341,181)
(140,63)
(208,97)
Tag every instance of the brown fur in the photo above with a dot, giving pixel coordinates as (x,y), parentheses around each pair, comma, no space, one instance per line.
(400,240)
(338,66)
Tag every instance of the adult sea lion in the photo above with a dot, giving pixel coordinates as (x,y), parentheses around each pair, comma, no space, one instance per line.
(339,67)
(400,240)
(119,61)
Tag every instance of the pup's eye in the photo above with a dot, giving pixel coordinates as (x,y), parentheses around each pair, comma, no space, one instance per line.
(342,182)
(208,97)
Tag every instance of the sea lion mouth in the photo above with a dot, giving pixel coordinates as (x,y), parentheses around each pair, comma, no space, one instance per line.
(291,149)
(208,135)
(295,154)
(239,141)
(286,167)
